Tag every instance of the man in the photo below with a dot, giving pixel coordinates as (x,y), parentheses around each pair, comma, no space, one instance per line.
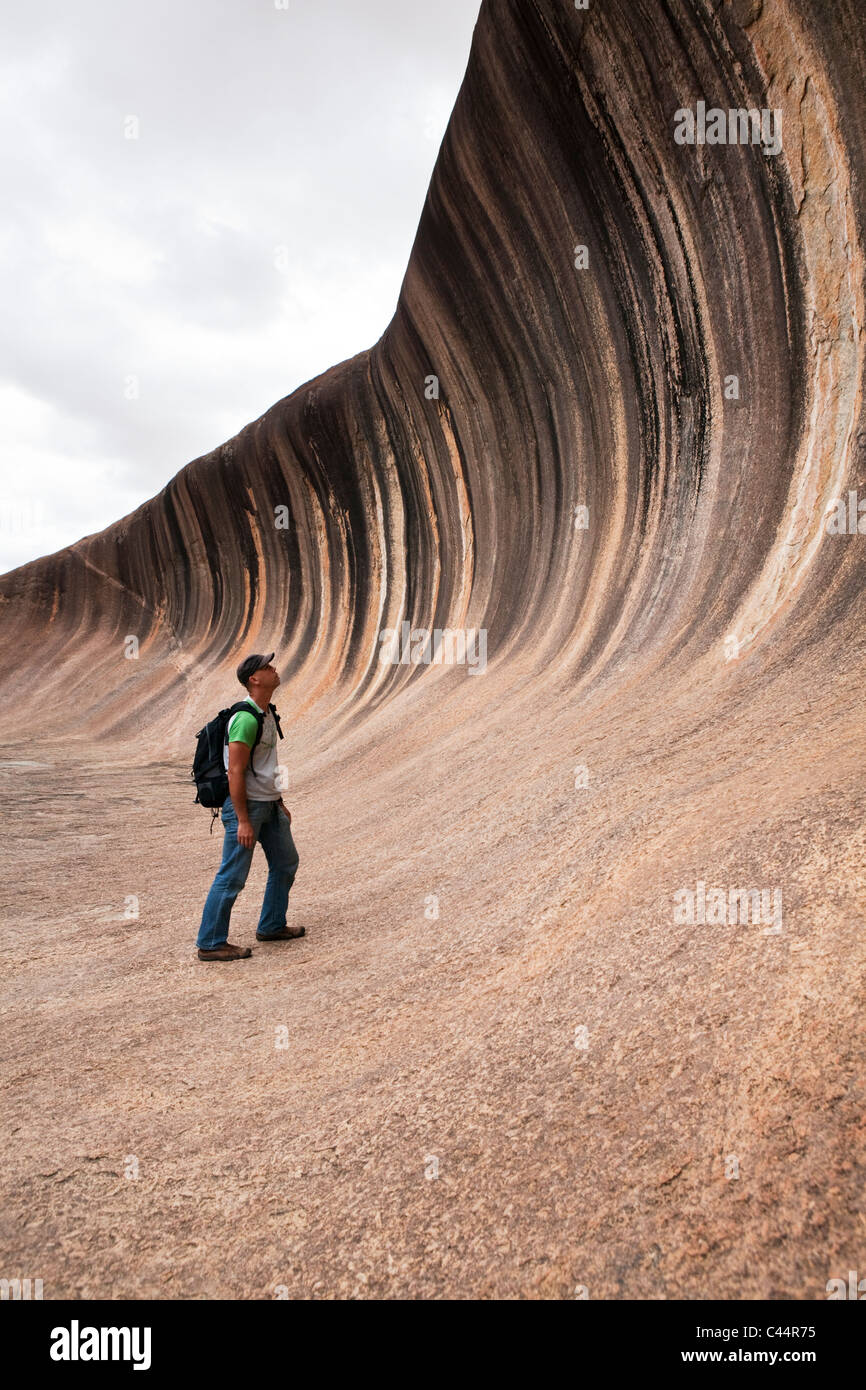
(253,811)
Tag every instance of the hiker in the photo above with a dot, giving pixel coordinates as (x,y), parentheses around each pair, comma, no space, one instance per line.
(254,810)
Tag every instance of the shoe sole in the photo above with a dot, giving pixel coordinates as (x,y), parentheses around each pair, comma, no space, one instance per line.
(223,960)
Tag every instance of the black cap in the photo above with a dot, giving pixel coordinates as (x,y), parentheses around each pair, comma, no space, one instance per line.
(251,664)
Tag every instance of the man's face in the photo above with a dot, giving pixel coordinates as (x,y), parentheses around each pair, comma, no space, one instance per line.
(265,681)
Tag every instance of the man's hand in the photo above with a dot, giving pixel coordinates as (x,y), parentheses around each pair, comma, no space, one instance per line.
(287,811)
(246,834)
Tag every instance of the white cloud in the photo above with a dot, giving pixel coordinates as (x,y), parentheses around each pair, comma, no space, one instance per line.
(254,234)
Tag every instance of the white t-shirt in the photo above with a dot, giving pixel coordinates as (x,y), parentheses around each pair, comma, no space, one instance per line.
(262,782)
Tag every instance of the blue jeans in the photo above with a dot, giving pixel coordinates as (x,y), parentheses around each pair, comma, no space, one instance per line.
(271,827)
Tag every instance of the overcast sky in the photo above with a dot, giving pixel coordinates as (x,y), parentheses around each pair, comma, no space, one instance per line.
(205,204)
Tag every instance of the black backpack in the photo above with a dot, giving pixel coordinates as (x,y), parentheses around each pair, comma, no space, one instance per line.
(208,769)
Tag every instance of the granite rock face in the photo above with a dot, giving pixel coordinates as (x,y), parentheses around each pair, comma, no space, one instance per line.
(621,391)
(695,386)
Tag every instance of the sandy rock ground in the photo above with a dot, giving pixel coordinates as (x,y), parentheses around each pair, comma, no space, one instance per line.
(549,1086)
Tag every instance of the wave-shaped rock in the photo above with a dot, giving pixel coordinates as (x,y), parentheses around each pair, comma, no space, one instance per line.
(621,386)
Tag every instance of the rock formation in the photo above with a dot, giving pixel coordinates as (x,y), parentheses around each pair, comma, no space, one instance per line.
(621,391)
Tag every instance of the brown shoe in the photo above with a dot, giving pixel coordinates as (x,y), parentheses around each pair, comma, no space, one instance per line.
(284,934)
(228,951)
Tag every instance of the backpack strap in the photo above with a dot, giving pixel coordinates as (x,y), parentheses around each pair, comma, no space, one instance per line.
(244,706)
(273,710)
